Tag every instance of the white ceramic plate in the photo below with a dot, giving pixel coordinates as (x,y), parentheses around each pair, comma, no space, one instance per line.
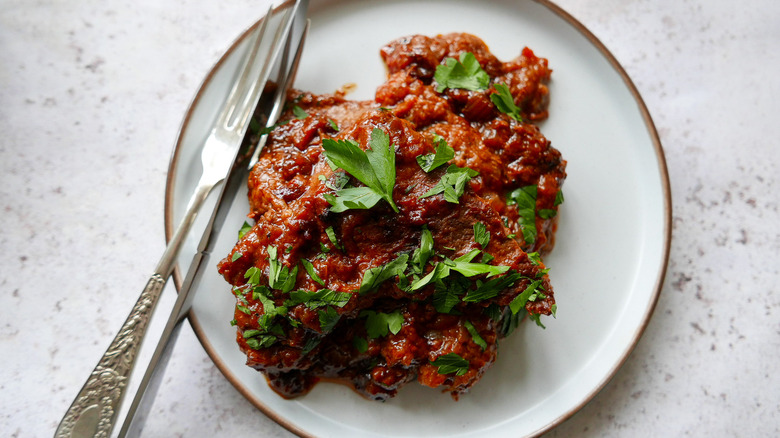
(612,243)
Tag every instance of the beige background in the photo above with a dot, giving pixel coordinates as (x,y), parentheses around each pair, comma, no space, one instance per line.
(91,98)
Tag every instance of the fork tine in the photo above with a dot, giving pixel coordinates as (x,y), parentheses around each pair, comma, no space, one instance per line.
(287,76)
(246,83)
(248,106)
(285,80)
(246,66)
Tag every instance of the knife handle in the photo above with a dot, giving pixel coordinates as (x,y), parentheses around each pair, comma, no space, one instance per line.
(95,408)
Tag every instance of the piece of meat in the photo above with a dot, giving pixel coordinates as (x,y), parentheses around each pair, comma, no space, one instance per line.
(299,327)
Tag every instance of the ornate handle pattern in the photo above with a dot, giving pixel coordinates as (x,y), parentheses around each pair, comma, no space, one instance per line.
(94,410)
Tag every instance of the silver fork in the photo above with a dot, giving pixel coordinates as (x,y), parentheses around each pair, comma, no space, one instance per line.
(93,412)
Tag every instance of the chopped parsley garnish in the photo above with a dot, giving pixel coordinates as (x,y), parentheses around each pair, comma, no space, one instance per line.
(548,213)
(439,272)
(360,344)
(312,272)
(328,319)
(492,287)
(373,277)
(320,298)
(270,312)
(558,198)
(505,102)
(279,276)
(465,73)
(475,335)
(333,125)
(509,323)
(452,184)
(481,235)
(424,252)
(310,344)
(243,230)
(299,112)
(525,199)
(443,154)
(463,265)
(379,324)
(260,341)
(447,295)
(340,180)
(252,275)
(332,237)
(374,167)
(236,255)
(451,363)
(520,301)
(535,317)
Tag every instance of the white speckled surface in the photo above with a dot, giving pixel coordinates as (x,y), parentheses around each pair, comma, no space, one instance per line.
(91,97)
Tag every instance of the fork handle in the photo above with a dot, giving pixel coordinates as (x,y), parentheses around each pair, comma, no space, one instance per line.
(94,410)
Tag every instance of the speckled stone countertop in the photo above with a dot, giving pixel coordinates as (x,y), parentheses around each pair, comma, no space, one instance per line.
(92,94)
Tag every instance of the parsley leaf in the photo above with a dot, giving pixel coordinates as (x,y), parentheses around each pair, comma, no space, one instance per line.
(373,277)
(447,295)
(452,184)
(439,272)
(236,255)
(465,73)
(491,288)
(243,230)
(340,179)
(481,235)
(379,324)
(320,298)
(535,317)
(424,252)
(451,363)
(328,319)
(332,237)
(535,258)
(310,344)
(353,198)
(299,112)
(260,341)
(505,102)
(525,199)
(280,276)
(558,198)
(312,272)
(475,335)
(443,154)
(548,213)
(520,300)
(253,275)
(374,167)
(463,265)
(333,125)
(360,344)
